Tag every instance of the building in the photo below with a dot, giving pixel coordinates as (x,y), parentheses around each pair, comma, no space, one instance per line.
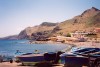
(79,34)
(97,30)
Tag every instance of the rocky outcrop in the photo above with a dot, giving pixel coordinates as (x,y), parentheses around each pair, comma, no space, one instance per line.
(39,32)
(27,32)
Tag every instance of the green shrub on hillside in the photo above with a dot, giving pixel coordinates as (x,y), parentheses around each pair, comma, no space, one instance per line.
(68,35)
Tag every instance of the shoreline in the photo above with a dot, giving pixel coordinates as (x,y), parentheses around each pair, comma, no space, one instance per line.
(76,44)
(71,44)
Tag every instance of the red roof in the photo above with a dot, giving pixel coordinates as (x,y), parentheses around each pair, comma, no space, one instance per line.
(97,30)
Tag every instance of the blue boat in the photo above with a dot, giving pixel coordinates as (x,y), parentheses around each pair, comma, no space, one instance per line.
(86,51)
(82,57)
(31,58)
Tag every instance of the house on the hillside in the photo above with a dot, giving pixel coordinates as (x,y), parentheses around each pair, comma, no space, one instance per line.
(79,34)
(97,30)
(58,39)
(63,39)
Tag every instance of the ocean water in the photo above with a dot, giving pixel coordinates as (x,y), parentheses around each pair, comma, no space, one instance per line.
(9,47)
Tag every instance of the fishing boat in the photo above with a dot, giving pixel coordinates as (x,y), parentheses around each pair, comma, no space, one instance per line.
(31,58)
(82,57)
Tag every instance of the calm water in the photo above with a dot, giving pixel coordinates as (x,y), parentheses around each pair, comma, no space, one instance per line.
(9,47)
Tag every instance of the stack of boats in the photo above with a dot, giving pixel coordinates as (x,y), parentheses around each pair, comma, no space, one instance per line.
(80,57)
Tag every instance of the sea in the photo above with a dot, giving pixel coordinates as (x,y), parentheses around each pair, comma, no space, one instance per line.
(9,47)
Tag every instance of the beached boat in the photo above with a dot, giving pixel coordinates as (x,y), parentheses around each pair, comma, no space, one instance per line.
(31,58)
(86,51)
(48,56)
(82,57)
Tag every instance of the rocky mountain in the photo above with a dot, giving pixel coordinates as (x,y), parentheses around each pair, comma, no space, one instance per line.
(86,21)
(42,30)
(27,32)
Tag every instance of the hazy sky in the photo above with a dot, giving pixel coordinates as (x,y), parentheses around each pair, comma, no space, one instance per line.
(15,15)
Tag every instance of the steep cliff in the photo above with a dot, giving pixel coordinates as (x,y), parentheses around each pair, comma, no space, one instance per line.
(42,30)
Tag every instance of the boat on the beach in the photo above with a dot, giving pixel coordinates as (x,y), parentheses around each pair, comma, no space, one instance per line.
(86,51)
(82,57)
(31,58)
(38,57)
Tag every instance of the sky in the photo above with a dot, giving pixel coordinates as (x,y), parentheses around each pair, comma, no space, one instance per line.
(16,15)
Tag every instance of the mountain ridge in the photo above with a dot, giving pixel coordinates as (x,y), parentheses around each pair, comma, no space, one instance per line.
(86,21)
